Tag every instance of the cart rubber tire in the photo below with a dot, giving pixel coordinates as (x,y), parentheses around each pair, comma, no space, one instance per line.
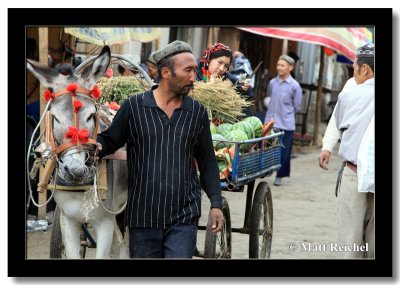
(261,223)
(223,238)
(56,243)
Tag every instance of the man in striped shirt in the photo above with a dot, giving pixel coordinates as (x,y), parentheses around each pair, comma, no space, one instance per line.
(165,132)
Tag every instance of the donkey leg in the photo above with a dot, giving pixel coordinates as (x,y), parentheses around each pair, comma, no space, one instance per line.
(104,232)
(70,230)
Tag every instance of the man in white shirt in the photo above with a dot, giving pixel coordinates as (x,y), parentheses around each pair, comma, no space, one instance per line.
(332,135)
(354,110)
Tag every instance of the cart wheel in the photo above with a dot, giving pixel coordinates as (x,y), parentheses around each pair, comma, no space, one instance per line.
(219,245)
(56,243)
(260,239)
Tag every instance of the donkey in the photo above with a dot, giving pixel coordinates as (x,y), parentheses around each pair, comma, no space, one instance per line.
(71,129)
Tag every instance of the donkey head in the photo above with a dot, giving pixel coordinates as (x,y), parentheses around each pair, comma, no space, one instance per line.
(74,120)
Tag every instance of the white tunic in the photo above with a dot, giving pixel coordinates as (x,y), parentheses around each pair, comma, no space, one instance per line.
(332,135)
(354,111)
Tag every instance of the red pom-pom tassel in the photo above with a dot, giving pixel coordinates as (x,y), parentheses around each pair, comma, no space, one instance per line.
(72,134)
(72,87)
(75,135)
(48,95)
(77,105)
(83,135)
(96,92)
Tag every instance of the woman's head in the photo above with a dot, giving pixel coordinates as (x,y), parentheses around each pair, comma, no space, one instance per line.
(216,60)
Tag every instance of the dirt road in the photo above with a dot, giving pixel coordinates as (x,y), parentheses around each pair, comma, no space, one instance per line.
(304,214)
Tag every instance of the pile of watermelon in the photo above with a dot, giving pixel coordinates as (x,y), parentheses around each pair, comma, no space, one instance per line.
(249,128)
(225,135)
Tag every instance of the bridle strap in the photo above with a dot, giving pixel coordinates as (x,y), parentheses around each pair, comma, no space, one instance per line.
(70,188)
(78,90)
(65,146)
(68,145)
(96,126)
(49,131)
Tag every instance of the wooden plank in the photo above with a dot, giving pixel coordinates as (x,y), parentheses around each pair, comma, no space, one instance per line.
(276,52)
(230,37)
(319,96)
(216,35)
(209,37)
(285,46)
(157,44)
(43,53)
(212,37)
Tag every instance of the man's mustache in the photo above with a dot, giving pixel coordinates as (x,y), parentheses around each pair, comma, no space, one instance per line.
(191,86)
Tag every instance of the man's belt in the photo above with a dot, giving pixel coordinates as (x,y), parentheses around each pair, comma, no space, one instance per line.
(350,165)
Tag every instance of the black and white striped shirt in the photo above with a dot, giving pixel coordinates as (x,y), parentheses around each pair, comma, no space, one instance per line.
(164,187)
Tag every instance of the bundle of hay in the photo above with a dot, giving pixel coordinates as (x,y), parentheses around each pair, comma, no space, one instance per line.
(221,99)
(120,88)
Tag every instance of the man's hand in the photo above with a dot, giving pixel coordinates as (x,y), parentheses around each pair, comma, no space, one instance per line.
(324,159)
(217,220)
(245,86)
(99,147)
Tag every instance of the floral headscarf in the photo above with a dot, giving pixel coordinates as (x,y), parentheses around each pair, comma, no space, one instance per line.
(207,56)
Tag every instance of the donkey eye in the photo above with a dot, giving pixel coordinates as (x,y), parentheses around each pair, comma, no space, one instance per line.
(90,117)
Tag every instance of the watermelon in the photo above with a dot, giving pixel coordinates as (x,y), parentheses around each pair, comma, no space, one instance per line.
(245,127)
(236,136)
(256,125)
(218,141)
(223,129)
(213,128)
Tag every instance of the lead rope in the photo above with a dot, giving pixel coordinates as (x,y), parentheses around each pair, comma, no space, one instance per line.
(90,200)
(52,191)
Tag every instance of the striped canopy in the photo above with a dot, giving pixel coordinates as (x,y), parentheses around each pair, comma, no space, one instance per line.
(343,40)
(114,35)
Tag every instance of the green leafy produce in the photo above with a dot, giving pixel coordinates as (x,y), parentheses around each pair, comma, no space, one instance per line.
(118,89)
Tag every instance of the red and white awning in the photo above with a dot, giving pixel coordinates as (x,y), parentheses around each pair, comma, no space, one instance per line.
(343,40)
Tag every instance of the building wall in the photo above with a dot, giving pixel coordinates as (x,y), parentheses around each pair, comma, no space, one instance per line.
(32,84)
(230,37)
(56,40)
(197,39)
(164,37)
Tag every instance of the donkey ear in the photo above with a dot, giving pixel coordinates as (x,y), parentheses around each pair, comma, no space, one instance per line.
(46,75)
(99,67)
